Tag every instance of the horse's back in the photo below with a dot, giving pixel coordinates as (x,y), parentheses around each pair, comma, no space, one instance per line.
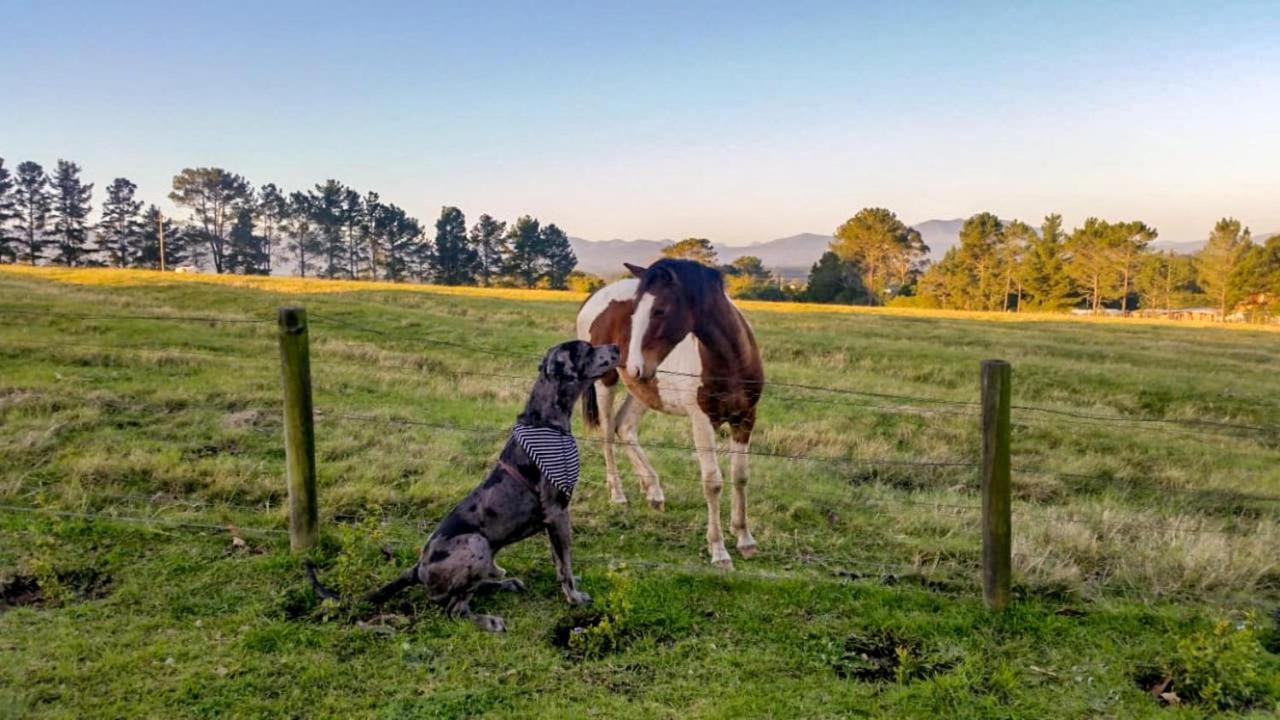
(599,301)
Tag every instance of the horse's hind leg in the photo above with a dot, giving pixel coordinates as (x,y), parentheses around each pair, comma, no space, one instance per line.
(628,432)
(704,438)
(739,444)
(604,395)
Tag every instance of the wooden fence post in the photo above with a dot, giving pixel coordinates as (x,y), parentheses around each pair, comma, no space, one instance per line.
(299,428)
(997,539)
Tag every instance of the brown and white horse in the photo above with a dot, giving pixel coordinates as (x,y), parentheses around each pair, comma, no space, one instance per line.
(687,350)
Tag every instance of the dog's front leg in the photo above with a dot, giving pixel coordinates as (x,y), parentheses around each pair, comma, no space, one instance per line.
(561,534)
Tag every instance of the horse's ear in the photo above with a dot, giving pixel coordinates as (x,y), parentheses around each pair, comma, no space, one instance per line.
(636,270)
(668,276)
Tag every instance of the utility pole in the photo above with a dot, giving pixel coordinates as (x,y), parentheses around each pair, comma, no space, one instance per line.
(160,231)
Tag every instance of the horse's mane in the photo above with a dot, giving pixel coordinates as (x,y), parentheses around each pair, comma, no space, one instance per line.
(702,285)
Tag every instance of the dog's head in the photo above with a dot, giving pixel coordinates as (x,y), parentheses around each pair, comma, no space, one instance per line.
(578,361)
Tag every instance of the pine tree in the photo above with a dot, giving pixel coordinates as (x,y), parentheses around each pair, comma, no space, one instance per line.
(693,248)
(981,239)
(833,280)
(949,283)
(1092,265)
(490,245)
(525,260)
(456,261)
(148,248)
(32,202)
(884,248)
(1159,277)
(1131,241)
(557,256)
(120,229)
(372,233)
(8,212)
(303,244)
(272,211)
(1044,274)
(326,217)
(214,197)
(1017,239)
(352,213)
(1228,244)
(246,249)
(70,214)
(402,238)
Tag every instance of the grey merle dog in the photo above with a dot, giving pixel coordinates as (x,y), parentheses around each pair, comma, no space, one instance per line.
(526,493)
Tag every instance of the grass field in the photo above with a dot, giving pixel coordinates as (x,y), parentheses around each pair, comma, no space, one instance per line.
(147,575)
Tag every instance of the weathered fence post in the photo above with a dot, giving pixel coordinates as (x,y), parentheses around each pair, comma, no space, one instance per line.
(997,538)
(299,428)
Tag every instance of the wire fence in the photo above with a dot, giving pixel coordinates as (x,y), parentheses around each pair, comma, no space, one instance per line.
(779,392)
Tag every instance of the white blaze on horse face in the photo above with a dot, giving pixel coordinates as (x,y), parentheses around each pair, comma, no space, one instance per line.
(639,326)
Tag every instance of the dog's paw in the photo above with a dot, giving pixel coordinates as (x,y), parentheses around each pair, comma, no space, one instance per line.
(577,597)
(491,623)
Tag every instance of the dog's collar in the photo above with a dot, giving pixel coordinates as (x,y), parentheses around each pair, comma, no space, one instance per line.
(554,452)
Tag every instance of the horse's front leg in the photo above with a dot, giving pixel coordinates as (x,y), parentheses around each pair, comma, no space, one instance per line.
(628,425)
(604,395)
(739,445)
(704,439)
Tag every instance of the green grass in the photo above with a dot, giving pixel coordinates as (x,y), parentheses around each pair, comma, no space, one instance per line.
(1132,539)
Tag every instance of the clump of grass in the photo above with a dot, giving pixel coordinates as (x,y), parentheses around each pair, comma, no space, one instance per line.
(884,656)
(1222,667)
(605,630)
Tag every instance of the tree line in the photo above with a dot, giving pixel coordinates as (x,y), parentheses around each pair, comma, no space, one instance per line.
(329,231)
(875,259)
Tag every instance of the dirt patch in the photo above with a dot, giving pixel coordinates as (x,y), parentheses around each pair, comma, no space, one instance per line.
(226,447)
(79,584)
(18,591)
(890,579)
(629,679)
(590,634)
(573,624)
(241,419)
(891,477)
(884,656)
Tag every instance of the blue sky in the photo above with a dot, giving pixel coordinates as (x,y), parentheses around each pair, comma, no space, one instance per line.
(737,121)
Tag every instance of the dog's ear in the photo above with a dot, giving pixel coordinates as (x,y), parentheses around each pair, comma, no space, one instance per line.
(558,364)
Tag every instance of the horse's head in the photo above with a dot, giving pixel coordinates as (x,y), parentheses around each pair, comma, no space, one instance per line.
(668,301)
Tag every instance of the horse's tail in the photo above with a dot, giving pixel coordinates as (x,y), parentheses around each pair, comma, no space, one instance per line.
(591,407)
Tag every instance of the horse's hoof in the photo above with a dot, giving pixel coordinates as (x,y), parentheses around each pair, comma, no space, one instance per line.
(748,551)
(513,585)
(720,557)
(658,505)
(618,499)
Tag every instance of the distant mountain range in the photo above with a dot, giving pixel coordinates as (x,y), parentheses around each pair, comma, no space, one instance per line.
(790,256)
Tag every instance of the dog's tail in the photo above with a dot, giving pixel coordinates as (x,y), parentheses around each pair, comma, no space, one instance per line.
(377,597)
(591,407)
(321,591)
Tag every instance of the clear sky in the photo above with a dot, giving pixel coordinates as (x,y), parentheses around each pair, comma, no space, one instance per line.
(736,121)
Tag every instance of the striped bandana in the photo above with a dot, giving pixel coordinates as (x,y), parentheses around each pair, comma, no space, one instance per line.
(554,452)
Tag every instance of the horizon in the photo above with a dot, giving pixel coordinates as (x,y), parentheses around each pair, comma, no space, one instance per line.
(621,123)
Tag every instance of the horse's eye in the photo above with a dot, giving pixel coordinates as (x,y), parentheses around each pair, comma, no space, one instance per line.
(659,312)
